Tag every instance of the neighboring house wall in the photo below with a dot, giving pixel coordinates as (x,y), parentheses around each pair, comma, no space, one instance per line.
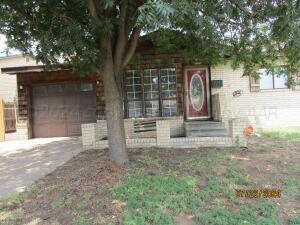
(266,108)
(8,83)
(8,87)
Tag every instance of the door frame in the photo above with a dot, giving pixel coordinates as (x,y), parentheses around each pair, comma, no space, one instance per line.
(208,90)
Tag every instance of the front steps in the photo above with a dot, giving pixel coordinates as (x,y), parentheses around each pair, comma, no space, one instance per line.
(205,129)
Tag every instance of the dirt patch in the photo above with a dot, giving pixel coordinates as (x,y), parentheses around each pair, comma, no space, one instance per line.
(79,190)
(184,220)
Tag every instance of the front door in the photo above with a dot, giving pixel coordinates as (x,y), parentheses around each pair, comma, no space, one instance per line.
(197,93)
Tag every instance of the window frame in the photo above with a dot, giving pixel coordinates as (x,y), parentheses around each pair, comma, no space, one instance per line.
(160,99)
(63,84)
(273,82)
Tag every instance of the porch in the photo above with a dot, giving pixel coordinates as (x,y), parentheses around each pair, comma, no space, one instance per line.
(165,133)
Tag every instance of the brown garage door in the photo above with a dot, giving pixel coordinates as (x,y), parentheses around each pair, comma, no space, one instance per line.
(60,109)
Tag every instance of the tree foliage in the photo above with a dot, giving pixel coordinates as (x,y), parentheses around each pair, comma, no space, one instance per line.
(253,33)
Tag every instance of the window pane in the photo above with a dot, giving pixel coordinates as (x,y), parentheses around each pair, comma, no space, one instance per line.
(266,80)
(71,88)
(150,84)
(281,81)
(152,108)
(133,85)
(134,109)
(168,83)
(86,87)
(169,108)
(40,90)
(56,88)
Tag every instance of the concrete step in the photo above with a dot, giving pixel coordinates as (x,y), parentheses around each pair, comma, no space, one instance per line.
(204,125)
(207,133)
(205,129)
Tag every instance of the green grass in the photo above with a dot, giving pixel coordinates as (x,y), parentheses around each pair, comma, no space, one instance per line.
(292,188)
(263,213)
(153,199)
(290,134)
(157,199)
(82,220)
(10,213)
(205,161)
(10,217)
(17,199)
(295,220)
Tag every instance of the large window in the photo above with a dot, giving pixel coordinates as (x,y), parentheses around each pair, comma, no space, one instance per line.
(151,93)
(269,81)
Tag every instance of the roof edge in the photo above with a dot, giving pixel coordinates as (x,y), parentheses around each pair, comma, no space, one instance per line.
(27,69)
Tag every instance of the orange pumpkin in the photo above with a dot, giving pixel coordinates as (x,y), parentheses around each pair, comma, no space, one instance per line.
(249,130)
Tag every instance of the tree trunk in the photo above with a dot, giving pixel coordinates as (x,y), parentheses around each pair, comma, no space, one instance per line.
(114,113)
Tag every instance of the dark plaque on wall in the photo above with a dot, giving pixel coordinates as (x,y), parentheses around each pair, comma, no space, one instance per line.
(217,83)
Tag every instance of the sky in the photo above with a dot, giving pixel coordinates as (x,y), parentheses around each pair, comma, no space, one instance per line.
(3,47)
(2,43)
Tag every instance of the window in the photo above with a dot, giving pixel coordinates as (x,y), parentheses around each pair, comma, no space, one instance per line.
(269,81)
(71,87)
(62,88)
(55,88)
(39,90)
(134,94)
(86,87)
(151,93)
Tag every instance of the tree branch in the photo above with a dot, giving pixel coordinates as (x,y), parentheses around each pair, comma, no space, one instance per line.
(133,41)
(241,8)
(122,36)
(92,8)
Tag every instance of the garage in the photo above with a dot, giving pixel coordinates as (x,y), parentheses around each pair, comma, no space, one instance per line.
(58,110)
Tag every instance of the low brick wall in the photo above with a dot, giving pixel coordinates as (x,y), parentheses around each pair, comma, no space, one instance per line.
(181,143)
(197,142)
(89,134)
(237,131)
(22,131)
(92,135)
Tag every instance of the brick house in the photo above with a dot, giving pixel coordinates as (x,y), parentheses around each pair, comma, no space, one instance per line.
(198,101)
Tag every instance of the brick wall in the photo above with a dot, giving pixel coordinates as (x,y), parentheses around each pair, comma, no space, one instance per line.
(163,139)
(266,109)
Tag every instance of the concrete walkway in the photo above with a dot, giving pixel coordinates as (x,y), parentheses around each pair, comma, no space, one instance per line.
(22,162)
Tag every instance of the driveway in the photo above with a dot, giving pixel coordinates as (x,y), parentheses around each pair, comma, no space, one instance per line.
(22,162)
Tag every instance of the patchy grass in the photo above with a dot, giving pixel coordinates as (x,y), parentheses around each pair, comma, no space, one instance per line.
(291,134)
(291,187)
(166,187)
(256,213)
(16,200)
(295,220)
(11,211)
(153,199)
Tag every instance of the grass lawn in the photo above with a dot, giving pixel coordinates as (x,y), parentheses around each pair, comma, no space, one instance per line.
(167,187)
(291,134)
